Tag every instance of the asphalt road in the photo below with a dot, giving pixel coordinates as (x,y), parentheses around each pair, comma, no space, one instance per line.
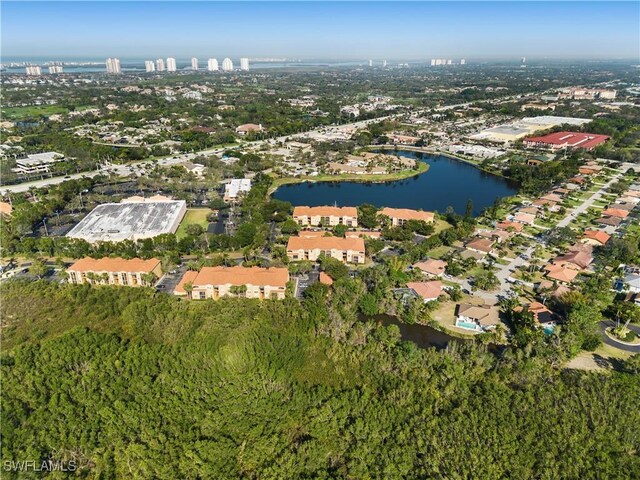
(124,170)
(580,209)
(620,346)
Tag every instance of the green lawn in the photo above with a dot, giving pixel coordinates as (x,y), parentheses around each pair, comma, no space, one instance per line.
(20,113)
(193,216)
(439,252)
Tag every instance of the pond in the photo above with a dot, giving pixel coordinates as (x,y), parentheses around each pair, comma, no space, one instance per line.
(423,336)
(448,182)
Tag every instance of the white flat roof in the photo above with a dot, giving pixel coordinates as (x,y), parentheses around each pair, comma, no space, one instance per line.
(40,158)
(115,222)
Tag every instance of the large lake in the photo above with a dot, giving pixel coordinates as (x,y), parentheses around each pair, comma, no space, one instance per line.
(448,182)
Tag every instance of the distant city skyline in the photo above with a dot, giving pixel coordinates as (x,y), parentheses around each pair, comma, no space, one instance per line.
(331,30)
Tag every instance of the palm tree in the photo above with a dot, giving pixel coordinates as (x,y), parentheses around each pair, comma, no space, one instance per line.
(188,287)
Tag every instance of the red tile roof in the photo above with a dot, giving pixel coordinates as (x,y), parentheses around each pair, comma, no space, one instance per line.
(106,264)
(408,214)
(597,235)
(275,277)
(427,290)
(569,140)
(615,212)
(325,211)
(326,243)
(432,266)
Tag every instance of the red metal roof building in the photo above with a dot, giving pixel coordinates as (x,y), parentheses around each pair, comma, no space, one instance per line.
(559,140)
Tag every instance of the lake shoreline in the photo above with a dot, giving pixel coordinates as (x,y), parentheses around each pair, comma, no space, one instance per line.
(423,167)
(431,151)
(450,183)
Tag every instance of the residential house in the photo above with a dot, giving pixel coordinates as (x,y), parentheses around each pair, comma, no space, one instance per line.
(615,212)
(134,272)
(543,317)
(631,282)
(249,128)
(349,250)
(524,218)
(609,221)
(595,237)
(432,267)
(326,279)
(428,291)
(579,254)
(249,282)
(508,225)
(563,272)
(6,209)
(326,216)
(478,318)
(480,245)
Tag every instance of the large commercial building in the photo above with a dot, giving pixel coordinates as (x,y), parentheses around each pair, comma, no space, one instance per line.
(236,187)
(326,216)
(511,132)
(212,65)
(133,219)
(566,140)
(113,65)
(400,216)
(171,64)
(244,64)
(227,65)
(349,250)
(37,163)
(149,66)
(251,282)
(115,271)
(194,63)
(160,65)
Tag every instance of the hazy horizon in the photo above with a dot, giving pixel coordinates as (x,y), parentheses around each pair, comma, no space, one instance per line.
(340,31)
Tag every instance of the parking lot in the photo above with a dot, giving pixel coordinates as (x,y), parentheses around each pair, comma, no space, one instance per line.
(169,281)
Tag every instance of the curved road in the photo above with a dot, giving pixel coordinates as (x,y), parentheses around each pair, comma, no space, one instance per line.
(620,346)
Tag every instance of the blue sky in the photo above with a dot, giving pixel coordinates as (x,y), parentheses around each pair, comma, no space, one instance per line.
(330,30)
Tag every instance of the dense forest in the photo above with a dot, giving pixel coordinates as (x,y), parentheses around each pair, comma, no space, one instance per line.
(134,384)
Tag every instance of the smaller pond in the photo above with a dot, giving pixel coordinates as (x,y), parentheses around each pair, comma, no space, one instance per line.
(423,336)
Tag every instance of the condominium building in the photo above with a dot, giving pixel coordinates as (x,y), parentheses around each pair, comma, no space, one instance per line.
(248,282)
(227,65)
(160,65)
(55,69)
(171,64)
(113,65)
(326,216)
(212,65)
(400,216)
(37,163)
(115,271)
(244,64)
(149,66)
(33,70)
(349,250)
(194,63)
